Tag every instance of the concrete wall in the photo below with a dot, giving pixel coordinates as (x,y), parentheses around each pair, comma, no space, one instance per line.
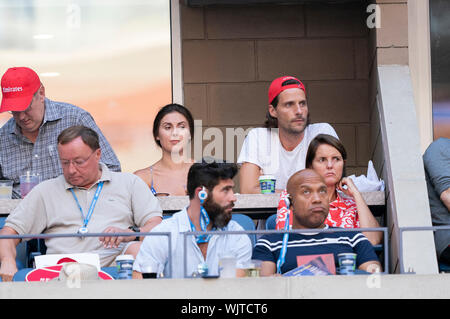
(407,197)
(420,66)
(388,45)
(359,287)
(392,36)
(231,54)
(404,39)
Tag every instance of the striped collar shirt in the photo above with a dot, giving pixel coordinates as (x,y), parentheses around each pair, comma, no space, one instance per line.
(269,246)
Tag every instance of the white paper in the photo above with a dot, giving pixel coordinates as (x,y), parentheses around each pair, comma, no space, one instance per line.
(369,183)
(55,259)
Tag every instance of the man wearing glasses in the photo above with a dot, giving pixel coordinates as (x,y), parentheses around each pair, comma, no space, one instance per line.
(87,198)
(28,139)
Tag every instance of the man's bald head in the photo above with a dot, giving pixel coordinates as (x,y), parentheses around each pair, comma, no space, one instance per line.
(309,199)
(300,177)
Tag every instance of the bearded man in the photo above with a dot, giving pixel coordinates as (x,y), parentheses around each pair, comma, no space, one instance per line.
(211,200)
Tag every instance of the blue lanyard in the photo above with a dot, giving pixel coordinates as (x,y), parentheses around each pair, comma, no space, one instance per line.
(282,256)
(91,207)
(204,221)
(153,190)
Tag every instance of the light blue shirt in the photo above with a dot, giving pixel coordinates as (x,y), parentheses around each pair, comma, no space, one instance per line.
(154,249)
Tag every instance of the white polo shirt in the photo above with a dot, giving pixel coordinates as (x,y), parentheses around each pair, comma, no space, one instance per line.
(263,148)
(154,250)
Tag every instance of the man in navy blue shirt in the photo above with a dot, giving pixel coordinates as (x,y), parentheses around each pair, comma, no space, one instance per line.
(309,202)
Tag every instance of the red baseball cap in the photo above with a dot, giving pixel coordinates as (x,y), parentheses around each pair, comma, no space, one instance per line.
(276,87)
(18,87)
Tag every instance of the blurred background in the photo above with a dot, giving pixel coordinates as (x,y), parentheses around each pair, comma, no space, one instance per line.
(109,57)
(440,66)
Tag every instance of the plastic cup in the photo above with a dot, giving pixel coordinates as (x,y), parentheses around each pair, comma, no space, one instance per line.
(227,266)
(267,184)
(27,182)
(6,187)
(149,270)
(347,263)
(124,266)
(253,268)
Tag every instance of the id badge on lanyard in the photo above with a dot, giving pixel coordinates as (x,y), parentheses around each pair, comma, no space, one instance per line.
(83,229)
(204,221)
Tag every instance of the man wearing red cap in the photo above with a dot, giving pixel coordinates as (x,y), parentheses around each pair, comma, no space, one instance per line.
(28,139)
(279,149)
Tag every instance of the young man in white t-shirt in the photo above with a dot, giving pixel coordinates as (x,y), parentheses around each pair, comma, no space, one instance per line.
(280,147)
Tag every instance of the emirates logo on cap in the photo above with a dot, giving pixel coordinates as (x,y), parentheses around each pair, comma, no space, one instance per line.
(15,89)
(19,84)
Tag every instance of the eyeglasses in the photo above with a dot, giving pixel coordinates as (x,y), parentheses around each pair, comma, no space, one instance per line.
(28,109)
(77,163)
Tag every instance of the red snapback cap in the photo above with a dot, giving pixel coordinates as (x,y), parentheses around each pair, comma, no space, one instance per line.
(276,87)
(18,87)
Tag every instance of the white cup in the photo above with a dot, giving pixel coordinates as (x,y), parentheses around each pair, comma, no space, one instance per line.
(227,267)
(6,187)
(149,270)
(267,184)
(253,268)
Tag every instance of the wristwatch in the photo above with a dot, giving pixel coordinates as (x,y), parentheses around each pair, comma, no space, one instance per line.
(136,230)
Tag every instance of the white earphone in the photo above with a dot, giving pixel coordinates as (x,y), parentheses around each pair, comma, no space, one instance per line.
(202,195)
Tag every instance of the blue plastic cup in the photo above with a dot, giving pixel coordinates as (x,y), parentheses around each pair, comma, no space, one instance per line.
(347,263)
(267,184)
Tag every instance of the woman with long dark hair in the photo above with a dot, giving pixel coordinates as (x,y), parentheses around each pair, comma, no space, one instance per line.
(172,130)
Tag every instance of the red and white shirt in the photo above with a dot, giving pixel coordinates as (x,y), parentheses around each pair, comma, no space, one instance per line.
(343,212)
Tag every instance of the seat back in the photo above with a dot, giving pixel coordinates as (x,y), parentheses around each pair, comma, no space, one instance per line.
(271,222)
(443,267)
(246,223)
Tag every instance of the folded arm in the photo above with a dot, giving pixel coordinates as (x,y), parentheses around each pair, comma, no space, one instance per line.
(366,218)
(248,178)
(445,198)
(8,265)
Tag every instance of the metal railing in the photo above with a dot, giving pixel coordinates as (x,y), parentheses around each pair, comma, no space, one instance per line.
(303,231)
(220,233)
(414,228)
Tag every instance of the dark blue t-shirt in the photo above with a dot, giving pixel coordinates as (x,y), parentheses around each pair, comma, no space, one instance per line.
(269,246)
